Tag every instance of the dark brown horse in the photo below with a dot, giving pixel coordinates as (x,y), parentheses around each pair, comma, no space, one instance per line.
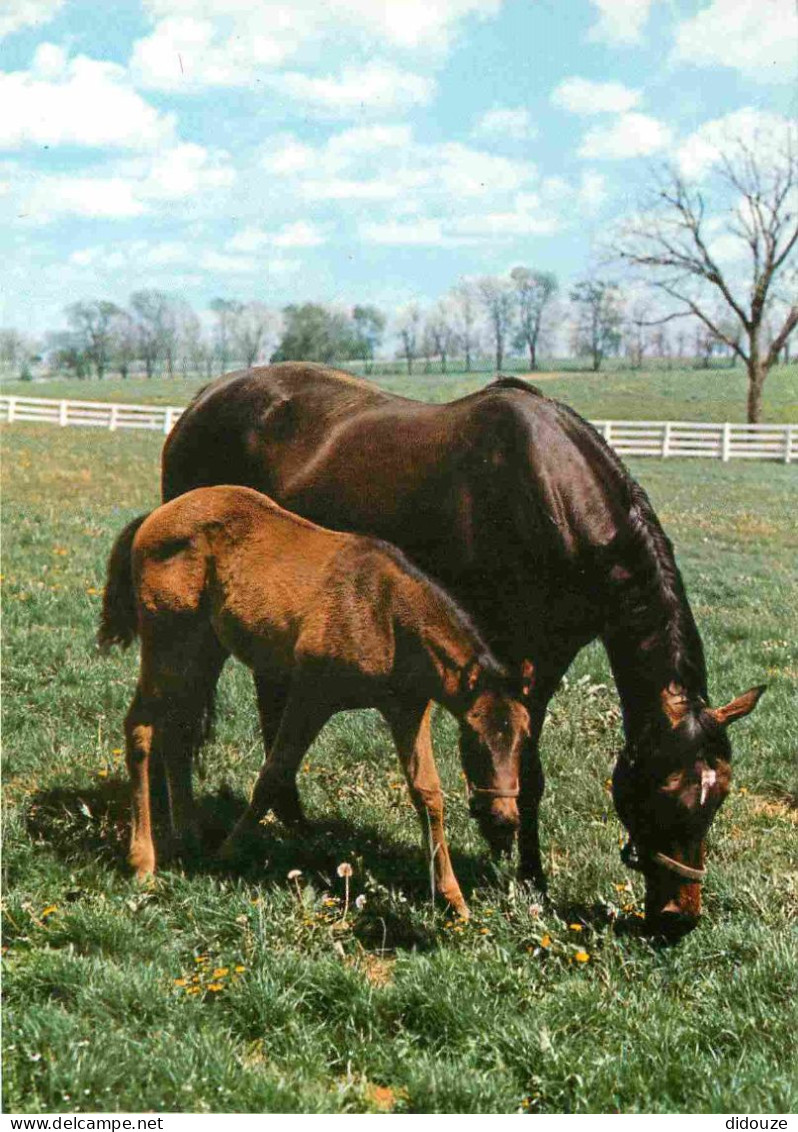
(327,622)
(521,510)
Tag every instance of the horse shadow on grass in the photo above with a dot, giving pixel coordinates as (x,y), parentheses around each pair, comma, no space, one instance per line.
(94,825)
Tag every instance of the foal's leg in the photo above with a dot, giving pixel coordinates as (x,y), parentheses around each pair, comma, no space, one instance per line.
(410,725)
(302,719)
(139,736)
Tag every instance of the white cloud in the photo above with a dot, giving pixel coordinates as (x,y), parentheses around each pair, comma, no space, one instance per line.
(377,86)
(128,188)
(300,234)
(200,43)
(583,96)
(409,233)
(188,53)
(628,135)
(18,14)
(172,259)
(385,164)
(765,133)
(527,215)
(80,101)
(501,123)
(760,40)
(620,21)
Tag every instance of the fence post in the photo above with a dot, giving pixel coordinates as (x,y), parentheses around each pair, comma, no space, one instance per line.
(725,453)
(167,421)
(666,440)
(113,418)
(608,432)
(12,404)
(62,413)
(788,434)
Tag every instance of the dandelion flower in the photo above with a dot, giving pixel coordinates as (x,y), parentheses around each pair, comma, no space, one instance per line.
(238,969)
(575,927)
(181,982)
(546,941)
(48,911)
(214,987)
(581,957)
(360,902)
(295,874)
(102,773)
(220,972)
(345,870)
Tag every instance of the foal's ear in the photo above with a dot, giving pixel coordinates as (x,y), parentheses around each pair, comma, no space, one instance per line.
(527,677)
(738,708)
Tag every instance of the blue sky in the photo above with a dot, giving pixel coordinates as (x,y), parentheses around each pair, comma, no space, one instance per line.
(352,150)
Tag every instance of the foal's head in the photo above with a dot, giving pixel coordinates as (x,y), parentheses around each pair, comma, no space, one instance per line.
(667,787)
(494,726)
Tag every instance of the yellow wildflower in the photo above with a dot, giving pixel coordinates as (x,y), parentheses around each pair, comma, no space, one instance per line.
(581,957)
(220,972)
(48,911)
(546,941)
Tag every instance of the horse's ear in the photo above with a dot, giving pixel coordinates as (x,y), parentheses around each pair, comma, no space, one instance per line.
(471,676)
(527,677)
(738,708)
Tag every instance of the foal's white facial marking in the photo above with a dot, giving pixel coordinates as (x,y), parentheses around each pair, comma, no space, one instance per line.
(708,779)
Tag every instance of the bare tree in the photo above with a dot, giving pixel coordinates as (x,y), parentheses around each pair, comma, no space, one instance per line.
(464,309)
(408,327)
(535,291)
(440,325)
(227,312)
(123,343)
(12,346)
(638,326)
(253,330)
(599,316)
(498,299)
(753,187)
(92,324)
(150,311)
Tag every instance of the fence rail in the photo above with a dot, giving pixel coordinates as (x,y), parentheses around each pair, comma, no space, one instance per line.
(629,438)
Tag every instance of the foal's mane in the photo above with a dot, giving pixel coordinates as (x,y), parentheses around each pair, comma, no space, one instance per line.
(487,661)
(653,601)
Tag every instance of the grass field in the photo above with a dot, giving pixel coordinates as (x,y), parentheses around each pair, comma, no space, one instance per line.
(614,394)
(243,991)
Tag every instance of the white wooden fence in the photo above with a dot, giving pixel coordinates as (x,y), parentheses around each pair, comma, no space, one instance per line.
(628,438)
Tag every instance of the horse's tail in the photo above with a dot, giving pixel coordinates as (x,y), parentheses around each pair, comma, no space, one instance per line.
(118,621)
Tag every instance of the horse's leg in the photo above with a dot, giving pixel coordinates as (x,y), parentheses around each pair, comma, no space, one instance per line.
(184,728)
(302,719)
(410,726)
(139,736)
(532,778)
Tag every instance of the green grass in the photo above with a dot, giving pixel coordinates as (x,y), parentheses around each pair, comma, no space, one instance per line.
(400,1008)
(614,394)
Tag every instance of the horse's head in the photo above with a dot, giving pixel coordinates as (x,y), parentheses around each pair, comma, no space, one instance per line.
(493,731)
(667,787)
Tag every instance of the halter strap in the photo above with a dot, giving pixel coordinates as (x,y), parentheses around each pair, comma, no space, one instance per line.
(495,793)
(631,858)
(696,875)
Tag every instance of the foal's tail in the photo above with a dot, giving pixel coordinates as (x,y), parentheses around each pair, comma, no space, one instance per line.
(118,621)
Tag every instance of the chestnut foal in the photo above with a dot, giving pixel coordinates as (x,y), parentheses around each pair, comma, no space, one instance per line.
(327,622)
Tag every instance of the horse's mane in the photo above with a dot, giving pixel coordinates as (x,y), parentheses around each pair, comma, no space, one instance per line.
(653,564)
